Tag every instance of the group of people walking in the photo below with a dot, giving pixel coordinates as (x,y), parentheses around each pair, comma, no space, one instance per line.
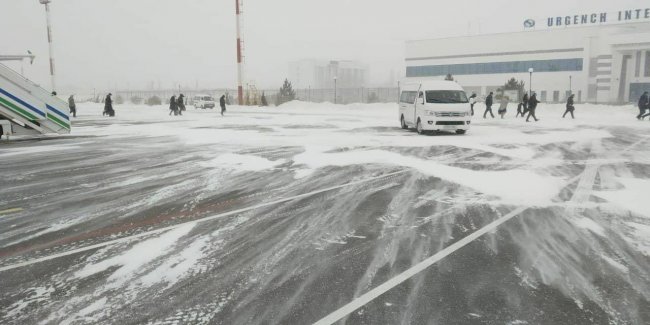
(177,105)
(527,105)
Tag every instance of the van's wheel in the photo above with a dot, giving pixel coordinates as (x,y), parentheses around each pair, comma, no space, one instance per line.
(419,127)
(403,123)
(461,131)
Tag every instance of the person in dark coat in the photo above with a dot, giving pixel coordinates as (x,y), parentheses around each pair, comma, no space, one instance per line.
(524,101)
(180,102)
(643,106)
(569,107)
(520,110)
(222,103)
(488,105)
(472,101)
(532,105)
(108,106)
(72,106)
(173,105)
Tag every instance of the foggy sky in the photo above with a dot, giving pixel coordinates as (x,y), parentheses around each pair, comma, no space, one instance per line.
(109,44)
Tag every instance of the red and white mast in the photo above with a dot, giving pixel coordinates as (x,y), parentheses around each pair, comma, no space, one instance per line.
(49,41)
(240,54)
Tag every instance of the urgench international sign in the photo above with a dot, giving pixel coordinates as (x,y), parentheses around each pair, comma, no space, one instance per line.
(600,18)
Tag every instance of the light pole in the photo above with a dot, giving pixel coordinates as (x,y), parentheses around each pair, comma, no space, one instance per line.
(398,91)
(49,40)
(570,81)
(530,84)
(335,89)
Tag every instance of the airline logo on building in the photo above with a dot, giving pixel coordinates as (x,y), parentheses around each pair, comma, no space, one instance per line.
(623,16)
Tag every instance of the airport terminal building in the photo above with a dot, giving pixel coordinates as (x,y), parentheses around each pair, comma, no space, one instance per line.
(601,58)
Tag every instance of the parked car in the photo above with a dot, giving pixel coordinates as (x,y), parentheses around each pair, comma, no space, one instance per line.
(203,101)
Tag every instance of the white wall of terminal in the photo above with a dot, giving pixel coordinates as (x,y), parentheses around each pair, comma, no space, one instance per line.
(615,60)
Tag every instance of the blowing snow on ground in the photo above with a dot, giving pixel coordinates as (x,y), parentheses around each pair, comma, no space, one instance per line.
(285,214)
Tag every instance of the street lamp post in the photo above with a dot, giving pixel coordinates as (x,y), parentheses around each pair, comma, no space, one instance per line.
(399,92)
(530,84)
(49,40)
(335,89)
(570,84)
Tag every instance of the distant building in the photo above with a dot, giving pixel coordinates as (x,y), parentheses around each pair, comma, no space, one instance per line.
(596,60)
(319,74)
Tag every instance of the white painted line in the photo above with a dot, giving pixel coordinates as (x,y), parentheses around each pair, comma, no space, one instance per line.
(382,288)
(218,216)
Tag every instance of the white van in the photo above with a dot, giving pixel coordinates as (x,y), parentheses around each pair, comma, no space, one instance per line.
(203,101)
(434,106)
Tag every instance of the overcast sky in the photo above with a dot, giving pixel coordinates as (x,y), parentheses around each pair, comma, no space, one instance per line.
(108,44)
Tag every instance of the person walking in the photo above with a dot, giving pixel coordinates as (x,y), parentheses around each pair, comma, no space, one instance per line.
(488,105)
(520,110)
(180,103)
(532,105)
(222,103)
(472,101)
(643,106)
(569,107)
(72,106)
(108,106)
(173,106)
(503,107)
(524,102)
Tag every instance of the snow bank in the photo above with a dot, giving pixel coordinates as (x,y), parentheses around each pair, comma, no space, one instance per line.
(242,162)
(632,197)
(370,133)
(133,260)
(512,186)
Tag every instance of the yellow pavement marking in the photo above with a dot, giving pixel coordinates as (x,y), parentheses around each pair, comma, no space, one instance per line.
(8,211)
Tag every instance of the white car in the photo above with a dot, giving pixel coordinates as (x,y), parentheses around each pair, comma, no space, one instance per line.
(434,106)
(203,101)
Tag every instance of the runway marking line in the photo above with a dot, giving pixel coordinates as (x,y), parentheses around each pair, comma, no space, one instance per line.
(421,266)
(217,216)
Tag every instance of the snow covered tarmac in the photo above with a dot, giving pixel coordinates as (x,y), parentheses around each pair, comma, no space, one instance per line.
(284,215)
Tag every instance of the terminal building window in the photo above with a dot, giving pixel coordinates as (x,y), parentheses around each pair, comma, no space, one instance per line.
(543,96)
(495,67)
(647,64)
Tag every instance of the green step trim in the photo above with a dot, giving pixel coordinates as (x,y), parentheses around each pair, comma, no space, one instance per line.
(56,120)
(16,109)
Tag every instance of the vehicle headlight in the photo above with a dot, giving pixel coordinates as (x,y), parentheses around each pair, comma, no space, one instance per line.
(430,113)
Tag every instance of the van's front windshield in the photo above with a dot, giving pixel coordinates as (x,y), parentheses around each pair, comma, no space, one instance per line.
(446,97)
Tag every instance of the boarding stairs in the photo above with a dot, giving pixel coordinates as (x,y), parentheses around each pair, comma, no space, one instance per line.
(27,109)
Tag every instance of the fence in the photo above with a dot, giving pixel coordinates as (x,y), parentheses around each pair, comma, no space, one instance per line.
(349,95)
(343,95)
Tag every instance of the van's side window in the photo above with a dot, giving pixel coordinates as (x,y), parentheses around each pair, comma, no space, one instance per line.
(408,97)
